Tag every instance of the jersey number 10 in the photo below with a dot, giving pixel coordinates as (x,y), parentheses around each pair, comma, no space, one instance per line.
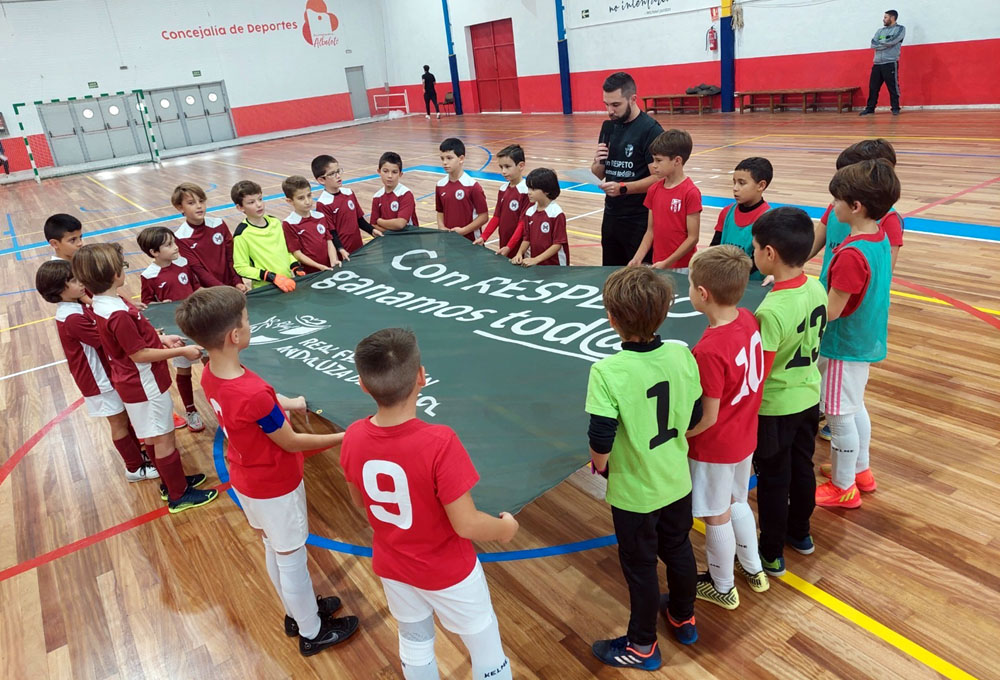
(752,362)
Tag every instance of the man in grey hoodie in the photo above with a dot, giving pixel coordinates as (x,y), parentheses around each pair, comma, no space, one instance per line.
(886,44)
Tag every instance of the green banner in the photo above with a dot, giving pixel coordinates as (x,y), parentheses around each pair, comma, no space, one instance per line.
(507,350)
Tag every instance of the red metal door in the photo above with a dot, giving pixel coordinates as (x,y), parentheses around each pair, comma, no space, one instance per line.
(496,66)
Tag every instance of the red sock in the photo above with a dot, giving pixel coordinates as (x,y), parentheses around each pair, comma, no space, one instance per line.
(186,391)
(128,449)
(172,473)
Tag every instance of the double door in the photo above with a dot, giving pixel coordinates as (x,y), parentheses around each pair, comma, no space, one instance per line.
(190,115)
(86,130)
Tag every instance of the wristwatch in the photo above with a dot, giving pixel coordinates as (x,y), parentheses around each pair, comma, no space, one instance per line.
(622,189)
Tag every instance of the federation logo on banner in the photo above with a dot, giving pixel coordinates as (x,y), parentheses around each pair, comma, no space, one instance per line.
(274,329)
(319,25)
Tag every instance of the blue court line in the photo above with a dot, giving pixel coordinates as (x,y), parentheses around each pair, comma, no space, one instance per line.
(489,156)
(13,236)
(365,551)
(983,232)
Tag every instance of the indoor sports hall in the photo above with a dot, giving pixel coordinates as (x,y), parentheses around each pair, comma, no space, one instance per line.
(107,106)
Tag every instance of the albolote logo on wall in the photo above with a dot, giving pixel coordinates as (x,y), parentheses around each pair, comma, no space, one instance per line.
(319,25)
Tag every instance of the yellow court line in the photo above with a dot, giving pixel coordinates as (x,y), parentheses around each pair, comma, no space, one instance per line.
(584,234)
(31,323)
(726,146)
(862,620)
(924,298)
(110,190)
(953,139)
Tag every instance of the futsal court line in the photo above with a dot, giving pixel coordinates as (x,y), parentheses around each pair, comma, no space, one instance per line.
(31,370)
(112,191)
(726,146)
(938,202)
(952,139)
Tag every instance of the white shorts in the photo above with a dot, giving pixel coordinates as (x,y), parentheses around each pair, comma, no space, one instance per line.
(715,486)
(104,404)
(283,519)
(842,391)
(465,608)
(152,418)
(181,362)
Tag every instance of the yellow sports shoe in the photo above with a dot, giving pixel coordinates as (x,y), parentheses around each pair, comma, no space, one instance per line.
(758,582)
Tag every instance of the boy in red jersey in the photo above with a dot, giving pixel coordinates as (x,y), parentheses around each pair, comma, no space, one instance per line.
(340,205)
(169,278)
(459,199)
(512,202)
(544,223)
(413,479)
(88,363)
(205,242)
(265,461)
(138,358)
(393,206)
(720,447)
(307,233)
(674,206)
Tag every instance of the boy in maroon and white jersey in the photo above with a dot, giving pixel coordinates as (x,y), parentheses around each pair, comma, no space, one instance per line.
(265,461)
(413,480)
(544,223)
(459,199)
(308,235)
(88,364)
(169,279)
(138,357)
(205,242)
(720,447)
(340,205)
(393,206)
(512,202)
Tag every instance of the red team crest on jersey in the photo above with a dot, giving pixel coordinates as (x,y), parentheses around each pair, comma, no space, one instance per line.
(319,24)
(675,205)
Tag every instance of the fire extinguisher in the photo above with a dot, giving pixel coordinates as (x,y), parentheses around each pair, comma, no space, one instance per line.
(711,40)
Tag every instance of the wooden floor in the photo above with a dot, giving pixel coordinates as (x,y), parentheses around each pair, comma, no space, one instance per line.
(188,596)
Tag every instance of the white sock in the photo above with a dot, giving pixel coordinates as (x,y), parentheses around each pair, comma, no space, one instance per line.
(745,532)
(273,572)
(297,591)
(844,444)
(720,549)
(488,660)
(864,425)
(416,650)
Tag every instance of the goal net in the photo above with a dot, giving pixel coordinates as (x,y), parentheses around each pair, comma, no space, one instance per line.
(393,101)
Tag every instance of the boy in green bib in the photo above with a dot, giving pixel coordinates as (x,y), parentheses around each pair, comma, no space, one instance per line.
(792,318)
(641,401)
(859,277)
(734,226)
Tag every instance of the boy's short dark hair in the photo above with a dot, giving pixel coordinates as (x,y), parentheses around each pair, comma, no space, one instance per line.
(672,143)
(867,150)
(320,164)
(390,157)
(51,279)
(96,265)
(388,362)
(789,231)
(544,180)
(244,188)
(873,184)
(186,189)
(453,144)
(513,152)
(208,314)
(620,81)
(760,169)
(893,13)
(723,271)
(60,224)
(294,183)
(152,239)
(638,300)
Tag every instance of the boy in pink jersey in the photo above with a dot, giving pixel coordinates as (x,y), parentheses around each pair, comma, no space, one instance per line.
(720,447)
(459,199)
(393,206)
(341,206)
(169,278)
(138,357)
(205,242)
(308,235)
(88,364)
(265,461)
(413,479)
(512,202)
(674,206)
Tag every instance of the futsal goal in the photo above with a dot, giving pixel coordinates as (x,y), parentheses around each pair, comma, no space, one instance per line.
(393,101)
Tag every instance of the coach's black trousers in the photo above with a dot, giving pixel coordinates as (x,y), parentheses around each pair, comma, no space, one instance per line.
(888,74)
(642,537)
(786,482)
(428,98)
(620,238)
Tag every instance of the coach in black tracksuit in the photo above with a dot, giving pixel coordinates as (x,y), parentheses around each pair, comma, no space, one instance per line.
(622,162)
(886,44)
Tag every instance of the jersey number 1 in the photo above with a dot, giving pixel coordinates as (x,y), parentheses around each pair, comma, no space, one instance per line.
(398,495)
(661,392)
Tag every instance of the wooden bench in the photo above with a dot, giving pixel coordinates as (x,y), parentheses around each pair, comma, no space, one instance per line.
(678,102)
(810,98)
